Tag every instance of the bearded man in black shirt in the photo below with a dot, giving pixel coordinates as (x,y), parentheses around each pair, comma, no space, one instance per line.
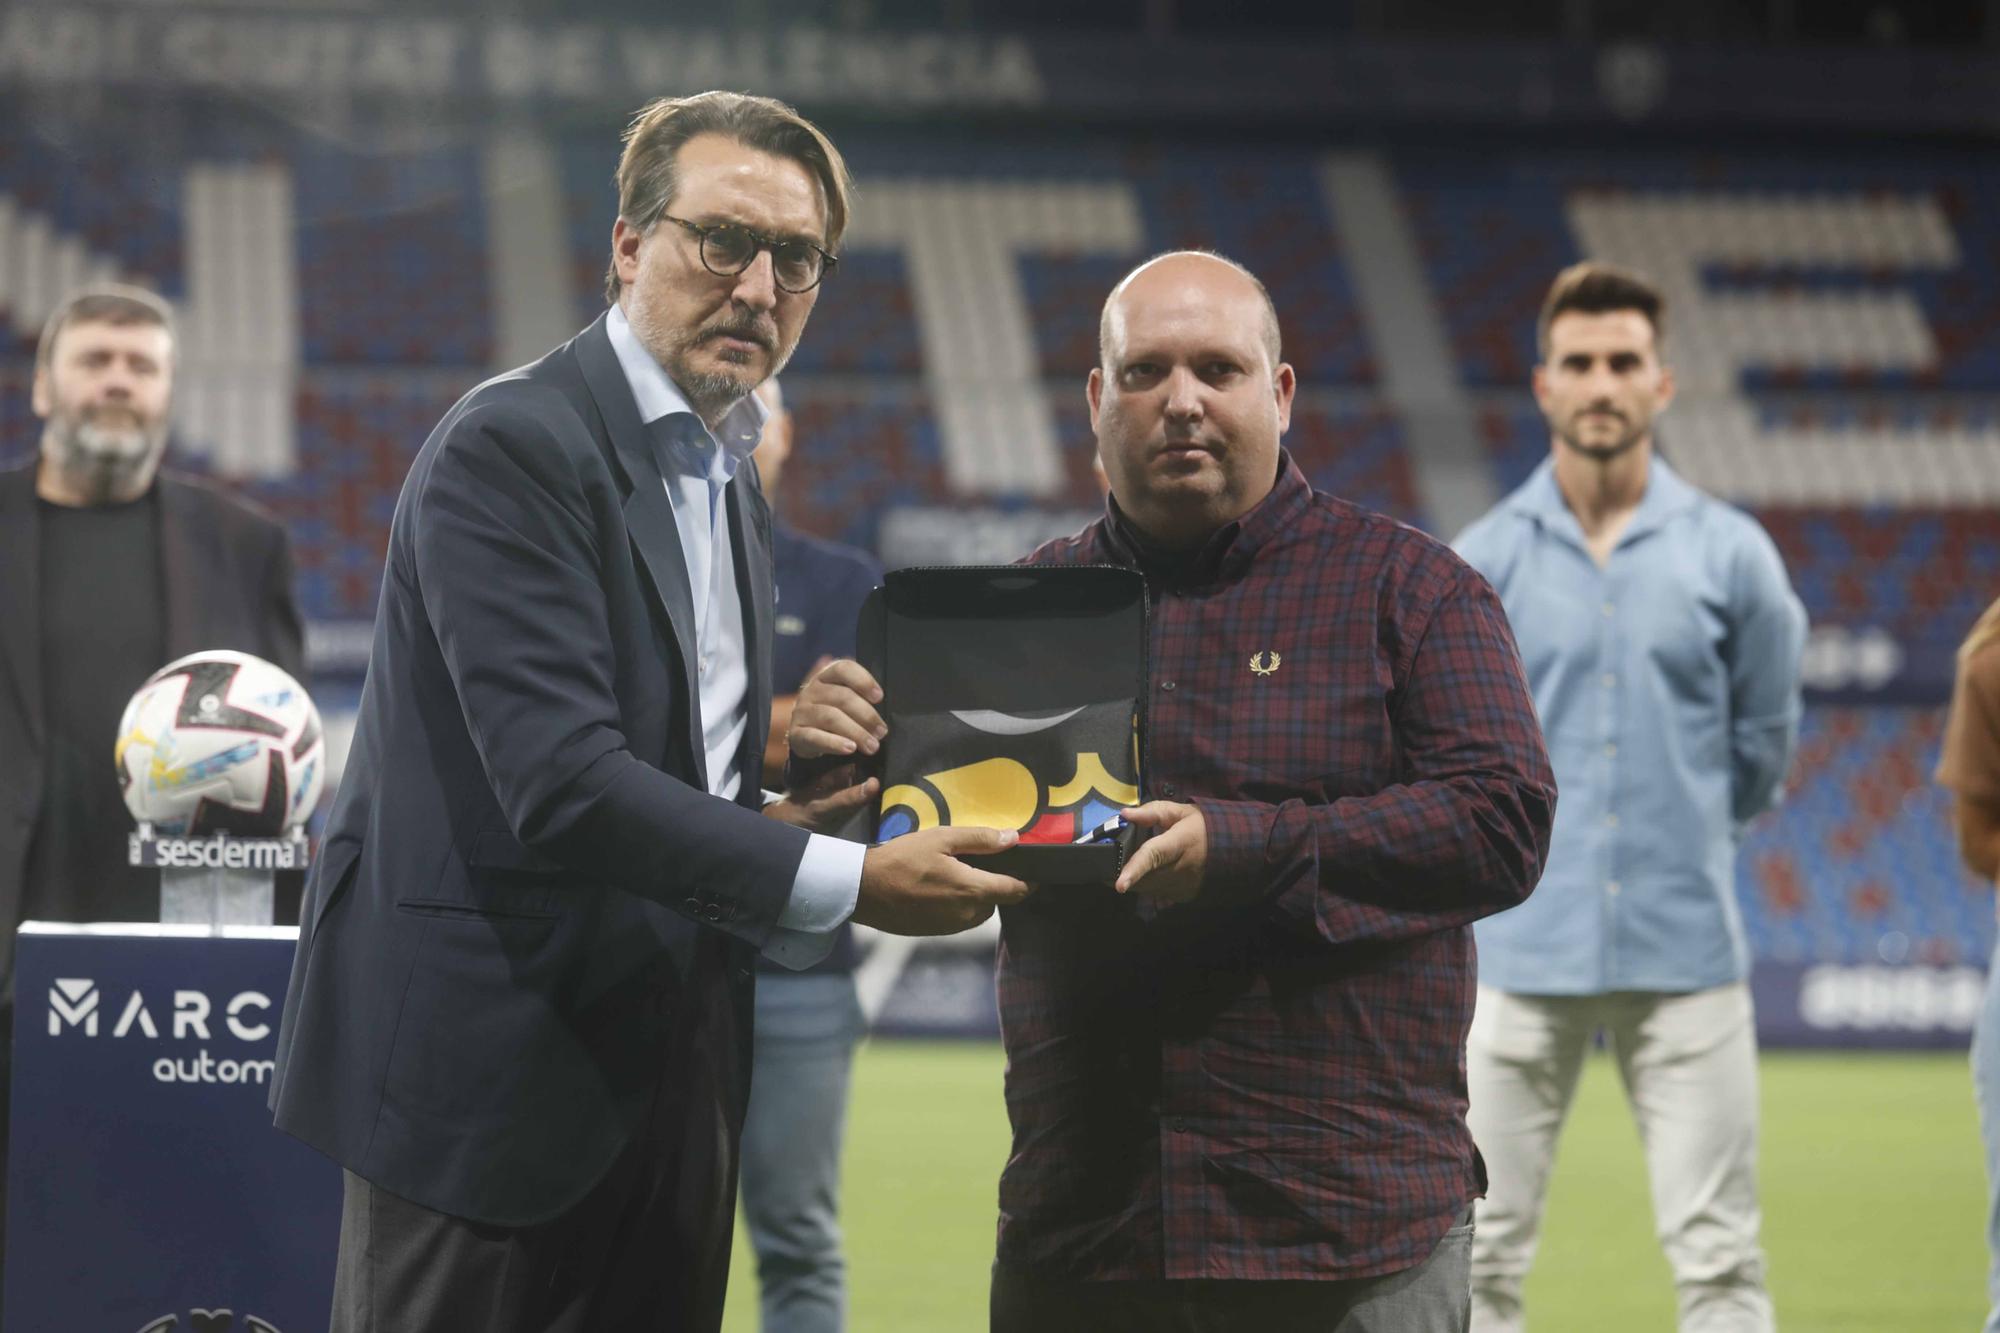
(108,570)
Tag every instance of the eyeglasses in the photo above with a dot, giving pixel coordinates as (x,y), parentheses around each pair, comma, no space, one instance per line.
(727,249)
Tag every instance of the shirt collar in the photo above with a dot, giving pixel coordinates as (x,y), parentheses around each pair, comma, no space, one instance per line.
(696,450)
(1541,499)
(1229,549)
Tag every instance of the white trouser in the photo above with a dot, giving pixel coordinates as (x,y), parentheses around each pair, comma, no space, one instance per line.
(1689,1064)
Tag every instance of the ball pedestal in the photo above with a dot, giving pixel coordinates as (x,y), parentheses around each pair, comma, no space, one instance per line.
(217,879)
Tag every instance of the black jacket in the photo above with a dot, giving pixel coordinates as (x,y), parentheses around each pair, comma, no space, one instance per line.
(526,906)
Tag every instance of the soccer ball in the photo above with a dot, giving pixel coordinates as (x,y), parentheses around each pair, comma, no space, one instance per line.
(221,742)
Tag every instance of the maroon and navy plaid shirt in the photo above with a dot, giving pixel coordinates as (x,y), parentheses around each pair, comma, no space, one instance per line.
(1269,1082)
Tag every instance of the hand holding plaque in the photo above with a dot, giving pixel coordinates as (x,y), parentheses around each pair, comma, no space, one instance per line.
(913,886)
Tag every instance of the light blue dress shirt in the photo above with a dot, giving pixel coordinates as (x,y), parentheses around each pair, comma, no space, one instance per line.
(1668,687)
(699,467)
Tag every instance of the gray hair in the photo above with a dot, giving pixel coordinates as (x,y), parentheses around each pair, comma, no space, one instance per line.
(647,178)
(105,303)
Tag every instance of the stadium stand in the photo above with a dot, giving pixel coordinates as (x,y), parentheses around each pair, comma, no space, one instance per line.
(357,435)
(391,253)
(1849,336)
(859,454)
(1853,868)
(71,210)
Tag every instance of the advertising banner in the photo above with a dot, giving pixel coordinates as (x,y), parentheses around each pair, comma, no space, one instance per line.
(1879,1006)
(146,1187)
(945,988)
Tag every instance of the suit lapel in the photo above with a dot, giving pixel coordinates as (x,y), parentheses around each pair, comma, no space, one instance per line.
(179,580)
(21,594)
(750,539)
(649,517)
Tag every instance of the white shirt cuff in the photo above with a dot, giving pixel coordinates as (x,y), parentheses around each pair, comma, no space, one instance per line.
(823,896)
(796,949)
(827,886)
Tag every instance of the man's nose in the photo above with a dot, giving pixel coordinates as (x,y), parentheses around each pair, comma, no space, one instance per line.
(1184,396)
(757,285)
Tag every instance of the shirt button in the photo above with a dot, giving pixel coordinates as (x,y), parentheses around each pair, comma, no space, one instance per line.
(1166,685)
(1610,679)
(1611,750)
(1180,1125)
(1611,887)
(1611,821)
(1609,610)
(693,906)
(1169,789)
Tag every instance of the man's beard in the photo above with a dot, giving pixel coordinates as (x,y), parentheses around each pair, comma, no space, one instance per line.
(1604,453)
(104,451)
(711,393)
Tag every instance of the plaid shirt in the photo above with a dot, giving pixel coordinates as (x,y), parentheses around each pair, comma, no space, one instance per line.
(1269,1082)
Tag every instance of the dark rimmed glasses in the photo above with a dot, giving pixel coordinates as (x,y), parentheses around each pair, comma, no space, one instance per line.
(727,249)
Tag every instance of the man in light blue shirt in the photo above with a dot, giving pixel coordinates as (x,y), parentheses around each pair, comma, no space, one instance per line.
(1662,641)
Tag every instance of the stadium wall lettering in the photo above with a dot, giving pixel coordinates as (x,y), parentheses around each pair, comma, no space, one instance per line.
(457,62)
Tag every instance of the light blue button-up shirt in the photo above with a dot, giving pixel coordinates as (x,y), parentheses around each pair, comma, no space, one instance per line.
(699,467)
(1668,687)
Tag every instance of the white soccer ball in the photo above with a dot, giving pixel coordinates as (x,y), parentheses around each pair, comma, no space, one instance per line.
(221,742)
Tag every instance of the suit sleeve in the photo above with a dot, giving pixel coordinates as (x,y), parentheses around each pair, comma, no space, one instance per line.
(1463,835)
(506,552)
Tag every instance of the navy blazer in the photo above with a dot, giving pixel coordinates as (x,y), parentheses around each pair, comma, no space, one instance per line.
(524,887)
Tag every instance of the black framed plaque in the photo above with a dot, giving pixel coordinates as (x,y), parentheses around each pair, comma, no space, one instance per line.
(1015,698)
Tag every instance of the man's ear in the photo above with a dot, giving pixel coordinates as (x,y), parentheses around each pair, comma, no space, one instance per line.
(1093,392)
(1286,385)
(625,242)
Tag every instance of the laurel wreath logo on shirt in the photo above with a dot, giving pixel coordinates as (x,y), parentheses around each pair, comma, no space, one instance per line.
(1264,663)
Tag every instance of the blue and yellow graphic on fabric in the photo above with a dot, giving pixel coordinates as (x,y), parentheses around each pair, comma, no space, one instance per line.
(1044,787)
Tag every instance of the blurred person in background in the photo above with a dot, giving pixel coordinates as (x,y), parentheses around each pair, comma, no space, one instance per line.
(1970,767)
(1663,642)
(808,1021)
(520,1012)
(109,569)
(1236,1083)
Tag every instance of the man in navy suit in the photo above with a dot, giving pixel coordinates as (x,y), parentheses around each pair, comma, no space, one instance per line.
(520,1012)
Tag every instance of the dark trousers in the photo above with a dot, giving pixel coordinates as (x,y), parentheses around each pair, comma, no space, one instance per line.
(1433,1297)
(647,1249)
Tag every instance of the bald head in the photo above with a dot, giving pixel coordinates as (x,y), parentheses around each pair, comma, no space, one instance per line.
(1189,400)
(1213,275)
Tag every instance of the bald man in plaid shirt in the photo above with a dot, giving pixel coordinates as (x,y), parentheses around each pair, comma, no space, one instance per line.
(1237,1084)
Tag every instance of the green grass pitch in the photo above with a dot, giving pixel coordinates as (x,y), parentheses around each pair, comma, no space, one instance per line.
(1874,1199)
